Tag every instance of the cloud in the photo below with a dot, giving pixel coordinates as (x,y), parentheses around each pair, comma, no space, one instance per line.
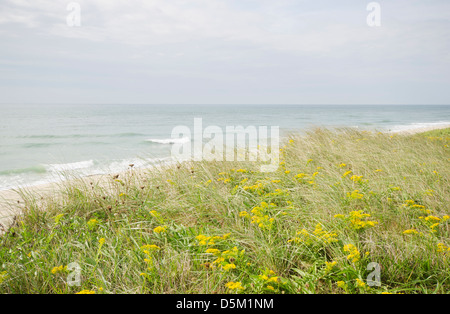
(239,47)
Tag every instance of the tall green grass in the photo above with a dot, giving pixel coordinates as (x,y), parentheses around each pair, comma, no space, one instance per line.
(338,202)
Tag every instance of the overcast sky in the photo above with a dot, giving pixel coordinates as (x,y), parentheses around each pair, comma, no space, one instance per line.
(225,52)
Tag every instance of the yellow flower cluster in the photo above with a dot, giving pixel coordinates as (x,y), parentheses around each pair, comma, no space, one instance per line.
(302,236)
(92,223)
(355,195)
(442,248)
(150,247)
(346,173)
(354,254)
(269,279)
(234,285)
(323,236)
(342,285)
(412,204)
(260,215)
(157,215)
(224,180)
(59,269)
(229,267)
(306,178)
(358,179)
(258,187)
(318,235)
(160,229)
(329,266)
(3,276)
(86,292)
(356,219)
(360,283)
(226,259)
(434,221)
(206,240)
(412,231)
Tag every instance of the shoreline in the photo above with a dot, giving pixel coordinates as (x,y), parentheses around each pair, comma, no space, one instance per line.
(422,129)
(11,201)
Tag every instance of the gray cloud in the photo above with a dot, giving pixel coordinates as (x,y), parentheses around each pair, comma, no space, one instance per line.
(211,51)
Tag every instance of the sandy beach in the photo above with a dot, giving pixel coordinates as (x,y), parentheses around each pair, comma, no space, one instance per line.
(422,129)
(12,201)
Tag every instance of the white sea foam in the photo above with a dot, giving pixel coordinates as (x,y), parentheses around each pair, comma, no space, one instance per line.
(69,166)
(62,172)
(180,140)
(417,126)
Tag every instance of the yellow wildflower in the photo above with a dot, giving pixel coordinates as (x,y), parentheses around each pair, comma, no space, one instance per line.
(86,292)
(329,266)
(346,173)
(3,276)
(234,286)
(229,267)
(354,255)
(160,229)
(360,283)
(92,223)
(59,269)
(150,247)
(213,251)
(342,285)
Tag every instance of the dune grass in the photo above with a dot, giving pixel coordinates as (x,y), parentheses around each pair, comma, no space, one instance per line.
(340,205)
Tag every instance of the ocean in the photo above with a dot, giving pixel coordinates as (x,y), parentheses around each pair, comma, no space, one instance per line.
(41,143)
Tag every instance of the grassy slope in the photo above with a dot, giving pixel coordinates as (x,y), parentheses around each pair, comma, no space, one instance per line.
(283,233)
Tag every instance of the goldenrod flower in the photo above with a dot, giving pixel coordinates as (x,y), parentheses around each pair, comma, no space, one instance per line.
(150,247)
(342,285)
(3,276)
(354,254)
(355,195)
(329,266)
(360,283)
(272,279)
(59,269)
(92,223)
(346,173)
(234,286)
(244,214)
(86,292)
(159,229)
(213,251)
(229,267)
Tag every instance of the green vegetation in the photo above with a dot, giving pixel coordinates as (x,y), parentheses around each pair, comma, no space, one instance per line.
(339,201)
(437,133)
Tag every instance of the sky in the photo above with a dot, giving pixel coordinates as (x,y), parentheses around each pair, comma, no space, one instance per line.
(224,52)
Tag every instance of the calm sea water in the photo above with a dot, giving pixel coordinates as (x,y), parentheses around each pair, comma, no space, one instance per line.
(39,142)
